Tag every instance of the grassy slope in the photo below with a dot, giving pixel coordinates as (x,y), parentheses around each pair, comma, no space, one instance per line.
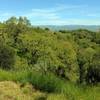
(17,88)
(13,91)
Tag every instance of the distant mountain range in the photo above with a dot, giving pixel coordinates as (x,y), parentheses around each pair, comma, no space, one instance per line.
(71,27)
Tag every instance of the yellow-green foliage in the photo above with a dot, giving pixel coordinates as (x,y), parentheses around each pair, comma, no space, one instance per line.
(20,63)
(60,63)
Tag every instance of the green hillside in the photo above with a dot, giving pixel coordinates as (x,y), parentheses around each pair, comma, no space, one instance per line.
(71,27)
(42,64)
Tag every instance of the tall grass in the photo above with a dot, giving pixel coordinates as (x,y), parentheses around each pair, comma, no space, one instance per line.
(20,76)
(44,82)
(51,84)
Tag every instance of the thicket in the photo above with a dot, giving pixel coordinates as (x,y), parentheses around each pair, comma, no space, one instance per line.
(72,56)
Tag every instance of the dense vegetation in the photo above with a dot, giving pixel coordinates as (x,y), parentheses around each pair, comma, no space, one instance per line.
(66,63)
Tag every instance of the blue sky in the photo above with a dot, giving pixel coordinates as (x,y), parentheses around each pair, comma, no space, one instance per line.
(53,12)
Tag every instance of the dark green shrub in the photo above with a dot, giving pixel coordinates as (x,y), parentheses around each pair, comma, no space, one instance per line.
(93,72)
(6,57)
(93,75)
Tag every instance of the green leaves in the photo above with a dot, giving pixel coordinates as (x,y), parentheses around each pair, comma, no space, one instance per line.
(6,57)
(20,20)
(71,55)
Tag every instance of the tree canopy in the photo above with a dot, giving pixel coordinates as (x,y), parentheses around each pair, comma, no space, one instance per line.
(71,55)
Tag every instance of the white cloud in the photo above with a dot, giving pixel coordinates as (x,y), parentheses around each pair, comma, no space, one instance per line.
(59,15)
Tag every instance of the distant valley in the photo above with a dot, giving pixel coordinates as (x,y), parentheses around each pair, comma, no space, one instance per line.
(71,27)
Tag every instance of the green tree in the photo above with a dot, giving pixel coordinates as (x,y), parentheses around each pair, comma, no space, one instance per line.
(12,20)
(85,57)
(24,21)
(93,74)
(6,57)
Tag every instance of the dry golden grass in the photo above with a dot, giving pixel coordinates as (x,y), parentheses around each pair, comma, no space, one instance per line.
(16,91)
(57,97)
(12,91)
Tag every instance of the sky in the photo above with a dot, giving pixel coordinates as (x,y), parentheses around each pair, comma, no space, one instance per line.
(53,12)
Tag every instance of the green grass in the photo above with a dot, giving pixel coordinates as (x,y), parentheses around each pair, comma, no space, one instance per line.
(55,88)
(45,82)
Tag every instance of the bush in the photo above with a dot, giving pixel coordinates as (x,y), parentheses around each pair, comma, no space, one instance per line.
(6,57)
(93,75)
(93,72)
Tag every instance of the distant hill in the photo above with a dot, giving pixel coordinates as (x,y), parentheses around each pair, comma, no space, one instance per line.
(71,27)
